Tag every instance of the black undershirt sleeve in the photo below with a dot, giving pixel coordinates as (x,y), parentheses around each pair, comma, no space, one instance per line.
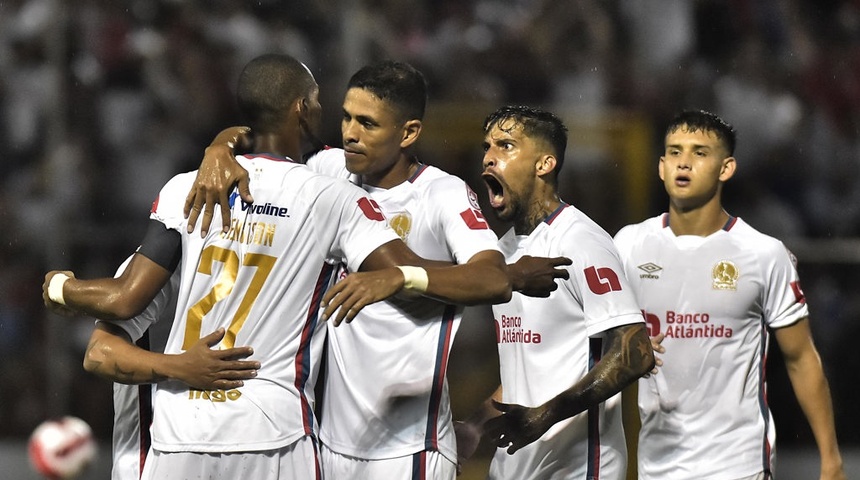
(162,245)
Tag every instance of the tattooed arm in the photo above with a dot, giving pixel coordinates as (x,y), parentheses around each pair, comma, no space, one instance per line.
(111,355)
(628,357)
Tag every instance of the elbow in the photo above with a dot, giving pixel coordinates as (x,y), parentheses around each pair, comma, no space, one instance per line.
(93,359)
(90,365)
(648,365)
(505,294)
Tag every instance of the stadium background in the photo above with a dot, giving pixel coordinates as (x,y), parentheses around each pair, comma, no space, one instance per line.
(101,102)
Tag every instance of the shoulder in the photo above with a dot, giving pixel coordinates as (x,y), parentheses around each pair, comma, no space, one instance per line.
(750,238)
(327,158)
(181,179)
(432,177)
(629,233)
(572,221)
(437,183)
(574,233)
(174,191)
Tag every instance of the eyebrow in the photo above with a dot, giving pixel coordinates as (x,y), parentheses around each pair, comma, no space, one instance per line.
(696,146)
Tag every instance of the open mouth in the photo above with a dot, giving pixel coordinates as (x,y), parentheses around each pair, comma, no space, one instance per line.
(682,180)
(495,189)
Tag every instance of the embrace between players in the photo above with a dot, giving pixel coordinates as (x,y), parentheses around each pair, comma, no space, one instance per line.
(397,257)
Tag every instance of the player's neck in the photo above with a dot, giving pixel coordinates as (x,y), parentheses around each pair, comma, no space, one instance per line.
(541,206)
(701,221)
(278,145)
(402,170)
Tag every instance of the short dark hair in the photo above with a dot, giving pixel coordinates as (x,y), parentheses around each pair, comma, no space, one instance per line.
(268,85)
(704,121)
(535,123)
(398,83)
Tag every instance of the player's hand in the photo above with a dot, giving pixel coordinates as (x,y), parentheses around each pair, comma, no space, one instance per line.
(536,276)
(357,290)
(468,438)
(53,306)
(218,174)
(656,345)
(205,368)
(518,426)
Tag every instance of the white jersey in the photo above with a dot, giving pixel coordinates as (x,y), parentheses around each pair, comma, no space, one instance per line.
(386,393)
(132,404)
(705,414)
(263,281)
(546,345)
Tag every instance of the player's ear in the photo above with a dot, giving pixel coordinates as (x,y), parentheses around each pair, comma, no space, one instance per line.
(727,170)
(411,132)
(545,164)
(661,168)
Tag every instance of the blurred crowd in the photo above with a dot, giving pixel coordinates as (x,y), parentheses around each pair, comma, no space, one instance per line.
(101,102)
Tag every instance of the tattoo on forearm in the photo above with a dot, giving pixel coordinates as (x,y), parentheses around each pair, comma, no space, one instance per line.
(632,358)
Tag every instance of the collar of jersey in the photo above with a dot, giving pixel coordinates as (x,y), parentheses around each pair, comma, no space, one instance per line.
(726,227)
(552,216)
(269,156)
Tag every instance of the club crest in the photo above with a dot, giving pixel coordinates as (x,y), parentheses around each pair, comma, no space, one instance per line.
(725,276)
(401,223)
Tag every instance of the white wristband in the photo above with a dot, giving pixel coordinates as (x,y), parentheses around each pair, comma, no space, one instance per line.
(55,288)
(414,279)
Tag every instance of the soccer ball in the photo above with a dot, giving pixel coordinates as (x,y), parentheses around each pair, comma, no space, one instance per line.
(62,449)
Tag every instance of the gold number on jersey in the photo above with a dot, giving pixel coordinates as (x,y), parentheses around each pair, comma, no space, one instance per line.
(223,287)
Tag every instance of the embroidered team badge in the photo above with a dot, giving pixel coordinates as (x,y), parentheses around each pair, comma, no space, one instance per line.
(401,223)
(652,270)
(725,276)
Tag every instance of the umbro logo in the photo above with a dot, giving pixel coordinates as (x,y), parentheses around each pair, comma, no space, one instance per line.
(652,270)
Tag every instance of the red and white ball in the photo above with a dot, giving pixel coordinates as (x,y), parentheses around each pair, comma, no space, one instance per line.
(62,449)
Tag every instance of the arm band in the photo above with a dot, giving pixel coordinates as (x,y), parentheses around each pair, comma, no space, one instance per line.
(55,288)
(162,245)
(414,279)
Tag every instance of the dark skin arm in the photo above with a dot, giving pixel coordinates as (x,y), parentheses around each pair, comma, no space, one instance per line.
(218,172)
(115,298)
(111,355)
(536,276)
(378,278)
(628,357)
(470,431)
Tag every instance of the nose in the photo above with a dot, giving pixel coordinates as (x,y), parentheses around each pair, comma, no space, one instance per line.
(348,132)
(488,160)
(684,162)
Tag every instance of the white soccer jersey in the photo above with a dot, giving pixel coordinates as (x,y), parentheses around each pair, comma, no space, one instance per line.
(132,404)
(386,393)
(263,281)
(705,414)
(546,345)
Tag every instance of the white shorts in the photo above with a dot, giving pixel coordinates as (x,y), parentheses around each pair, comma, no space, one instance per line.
(297,461)
(419,466)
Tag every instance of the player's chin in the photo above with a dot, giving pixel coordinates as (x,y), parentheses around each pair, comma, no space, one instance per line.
(504,213)
(356,164)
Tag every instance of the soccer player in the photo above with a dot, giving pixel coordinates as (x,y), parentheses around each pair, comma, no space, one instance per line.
(563,359)
(716,288)
(386,411)
(133,390)
(263,281)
